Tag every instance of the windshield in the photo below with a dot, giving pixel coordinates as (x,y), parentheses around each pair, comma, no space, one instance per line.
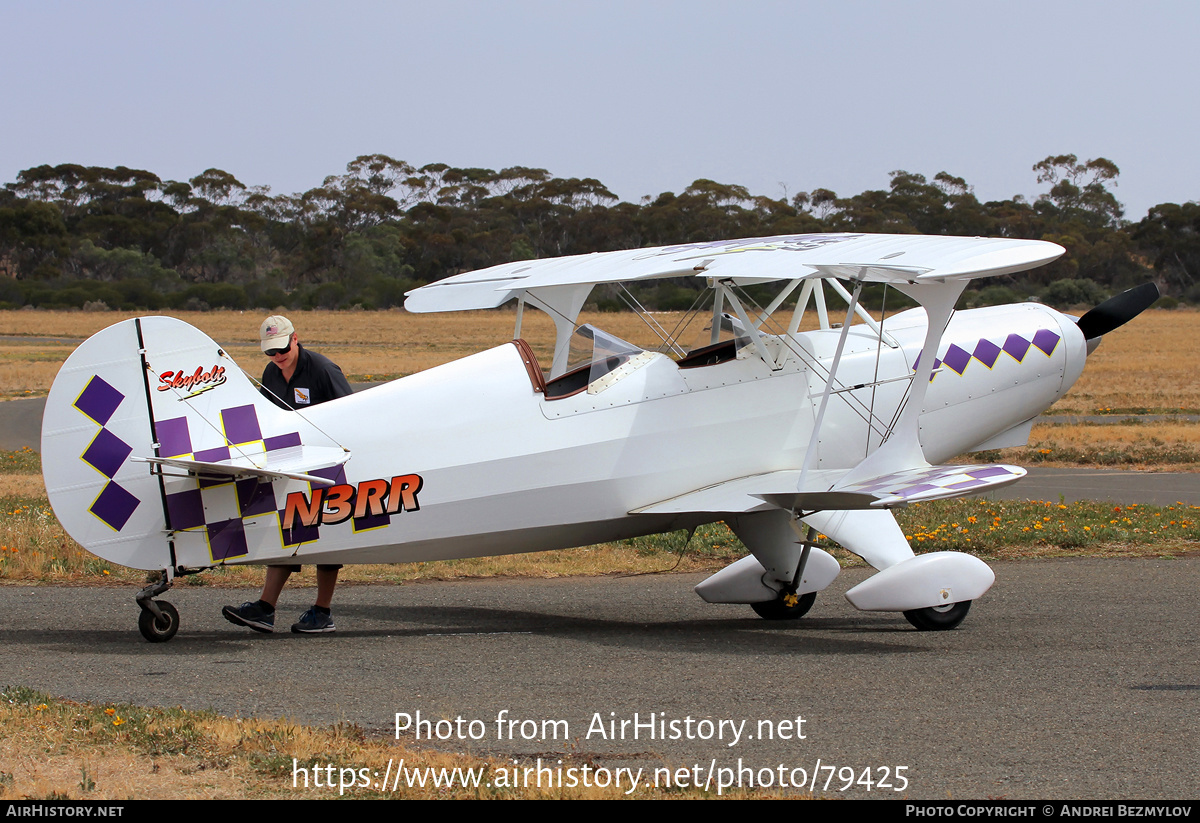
(600,350)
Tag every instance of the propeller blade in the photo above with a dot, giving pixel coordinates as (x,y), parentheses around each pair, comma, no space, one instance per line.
(1117,311)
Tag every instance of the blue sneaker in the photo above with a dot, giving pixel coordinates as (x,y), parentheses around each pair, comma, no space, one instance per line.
(313,622)
(251,614)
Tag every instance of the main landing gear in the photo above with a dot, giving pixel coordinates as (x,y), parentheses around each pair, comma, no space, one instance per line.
(786,607)
(789,605)
(939,618)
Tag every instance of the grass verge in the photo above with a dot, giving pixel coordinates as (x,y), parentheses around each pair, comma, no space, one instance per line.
(61,750)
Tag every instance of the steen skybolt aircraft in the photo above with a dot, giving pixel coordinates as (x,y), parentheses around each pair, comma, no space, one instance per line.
(159,453)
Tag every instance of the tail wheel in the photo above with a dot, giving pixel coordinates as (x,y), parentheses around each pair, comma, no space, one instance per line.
(158,629)
(779,609)
(939,618)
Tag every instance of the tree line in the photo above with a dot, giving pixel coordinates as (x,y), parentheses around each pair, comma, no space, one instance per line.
(121,238)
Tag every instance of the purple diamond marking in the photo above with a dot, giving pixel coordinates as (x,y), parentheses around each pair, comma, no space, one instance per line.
(213,455)
(227,539)
(1046,340)
(174,438)
(914,476)
(986,352)
(966,484)
(254,497)
(106,453)
(933,373)
(98,400)
(871,487)
(241,424)
(335,473)
(937,364)
(114,506)
(282,441)
(957,358)
(299,533)
(989,471)
(186,509)
(1016,346)
(372,521)
(909,491)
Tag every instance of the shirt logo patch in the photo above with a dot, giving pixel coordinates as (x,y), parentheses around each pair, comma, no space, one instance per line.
(303,397)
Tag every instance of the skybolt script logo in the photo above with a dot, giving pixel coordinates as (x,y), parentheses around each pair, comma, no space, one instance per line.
(195,383)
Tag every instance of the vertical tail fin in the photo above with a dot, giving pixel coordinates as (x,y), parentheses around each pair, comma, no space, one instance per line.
(156,387)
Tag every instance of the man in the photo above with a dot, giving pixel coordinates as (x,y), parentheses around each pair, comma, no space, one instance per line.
(294,379)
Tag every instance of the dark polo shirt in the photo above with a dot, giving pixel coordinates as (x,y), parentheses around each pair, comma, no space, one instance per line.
(317,380)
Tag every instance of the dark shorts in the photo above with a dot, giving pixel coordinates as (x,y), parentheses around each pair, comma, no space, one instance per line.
(324,567)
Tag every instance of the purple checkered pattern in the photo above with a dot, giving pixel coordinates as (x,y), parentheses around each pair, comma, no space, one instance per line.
(106,453)
(913,483)
(220,506)
(986,352)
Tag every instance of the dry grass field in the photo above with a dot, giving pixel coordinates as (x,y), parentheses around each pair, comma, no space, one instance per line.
(1147,365)
(367,345)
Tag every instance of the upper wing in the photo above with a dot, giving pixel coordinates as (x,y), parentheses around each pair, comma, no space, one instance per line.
(874,257)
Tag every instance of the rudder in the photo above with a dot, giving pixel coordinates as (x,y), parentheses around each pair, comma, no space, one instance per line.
(97,415)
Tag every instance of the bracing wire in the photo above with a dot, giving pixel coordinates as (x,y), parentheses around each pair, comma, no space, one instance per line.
(297,412)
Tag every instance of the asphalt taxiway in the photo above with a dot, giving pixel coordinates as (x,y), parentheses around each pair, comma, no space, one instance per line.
(1069,679)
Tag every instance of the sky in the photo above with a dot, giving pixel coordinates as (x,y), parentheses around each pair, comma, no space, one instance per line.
(647,96)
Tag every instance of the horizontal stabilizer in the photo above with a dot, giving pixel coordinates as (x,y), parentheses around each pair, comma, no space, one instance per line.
(294,462)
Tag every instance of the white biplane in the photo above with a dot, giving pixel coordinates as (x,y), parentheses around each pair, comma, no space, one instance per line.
(160,454)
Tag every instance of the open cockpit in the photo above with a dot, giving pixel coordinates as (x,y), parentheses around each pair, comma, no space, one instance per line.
(724,323)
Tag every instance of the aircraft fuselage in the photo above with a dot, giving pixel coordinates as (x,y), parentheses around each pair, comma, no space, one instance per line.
(499,468)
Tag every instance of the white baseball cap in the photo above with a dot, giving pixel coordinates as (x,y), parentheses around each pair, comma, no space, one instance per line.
(275,333)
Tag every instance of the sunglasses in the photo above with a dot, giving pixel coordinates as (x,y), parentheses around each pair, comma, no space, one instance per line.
(277,352)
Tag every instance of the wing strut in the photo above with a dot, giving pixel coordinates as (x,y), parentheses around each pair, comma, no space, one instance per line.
(902,450)
(562,303)
(811,453)
(751,329)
